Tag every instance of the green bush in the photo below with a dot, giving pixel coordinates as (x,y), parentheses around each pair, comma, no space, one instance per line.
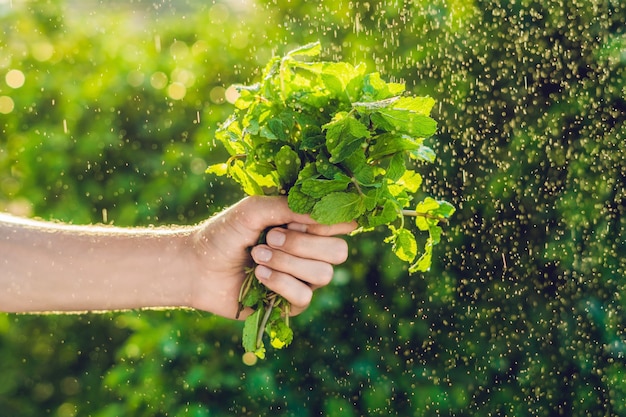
(522,313)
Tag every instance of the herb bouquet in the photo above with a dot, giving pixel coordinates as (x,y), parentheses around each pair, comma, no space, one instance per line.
(336,140)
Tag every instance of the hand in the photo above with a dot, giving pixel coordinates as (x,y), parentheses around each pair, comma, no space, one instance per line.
(295,261)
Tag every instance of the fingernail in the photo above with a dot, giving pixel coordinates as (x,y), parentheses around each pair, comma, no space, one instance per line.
(275,238)
(262,254)
(263,272)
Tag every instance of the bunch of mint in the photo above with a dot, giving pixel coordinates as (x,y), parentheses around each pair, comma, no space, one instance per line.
(337,141)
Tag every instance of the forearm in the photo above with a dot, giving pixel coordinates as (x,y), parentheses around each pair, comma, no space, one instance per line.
(49,267)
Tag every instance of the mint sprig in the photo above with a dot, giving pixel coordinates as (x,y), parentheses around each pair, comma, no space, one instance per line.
(337,141)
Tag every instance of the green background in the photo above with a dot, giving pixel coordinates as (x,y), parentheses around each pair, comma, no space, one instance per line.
(523,311)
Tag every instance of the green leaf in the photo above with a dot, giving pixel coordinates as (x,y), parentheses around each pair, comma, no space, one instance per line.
(423,223)
(326,168)
(251,329)
(364,173)
(280,334)
(338,208)
(344,135)
(411,180)
(230,135)
(423,153)
(247,182)
(253,296)
(300,202)
(368,107)
(404,244)
(438,208)
(405,121)
(265,157)
(424,262)
(386,215)
(397,167)
(339,78)
(312,142)
(275,129)
(445,209)
(427,205)
(375,88)
(218,169)
(418,105)
(387,144)
(316,187)
(435,233)
(312,49)
(287,165)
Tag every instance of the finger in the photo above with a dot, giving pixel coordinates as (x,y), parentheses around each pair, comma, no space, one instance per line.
(296,292)
(314,272)
(324,229)
(259,212)
(328,249)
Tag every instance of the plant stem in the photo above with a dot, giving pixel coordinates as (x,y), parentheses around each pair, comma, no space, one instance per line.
(266,317)
(243,291)
(413,213)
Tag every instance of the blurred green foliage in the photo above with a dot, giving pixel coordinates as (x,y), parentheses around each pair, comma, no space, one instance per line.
(522,313)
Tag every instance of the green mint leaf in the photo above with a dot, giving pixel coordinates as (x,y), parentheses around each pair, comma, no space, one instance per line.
(338,208)
(423,153)
(435,232)
(251,330)
(248,183)
(385,215)
(253,296)
(339,79)
(404,244)
(364,173)
(316,187)
(397,167)
(230,135)
(368,107)
(427,205)
(405,121)
(391,143)
(418,105)
(410,180)
(275,129)
(445,209)
(326,168)
(247,95)
(312,49)
(312,142)
(424,262)
(374,88)
(287,165)
(424,224)
(280,334)
(437,208)
(299,202)
(344,135)
(265,157)
(218,169)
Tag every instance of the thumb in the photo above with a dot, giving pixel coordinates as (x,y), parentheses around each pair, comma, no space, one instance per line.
(257,213)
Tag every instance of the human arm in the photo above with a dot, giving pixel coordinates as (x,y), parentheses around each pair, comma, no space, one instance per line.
(56,267)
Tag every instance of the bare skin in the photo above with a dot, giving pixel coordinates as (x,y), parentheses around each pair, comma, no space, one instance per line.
(50,267)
